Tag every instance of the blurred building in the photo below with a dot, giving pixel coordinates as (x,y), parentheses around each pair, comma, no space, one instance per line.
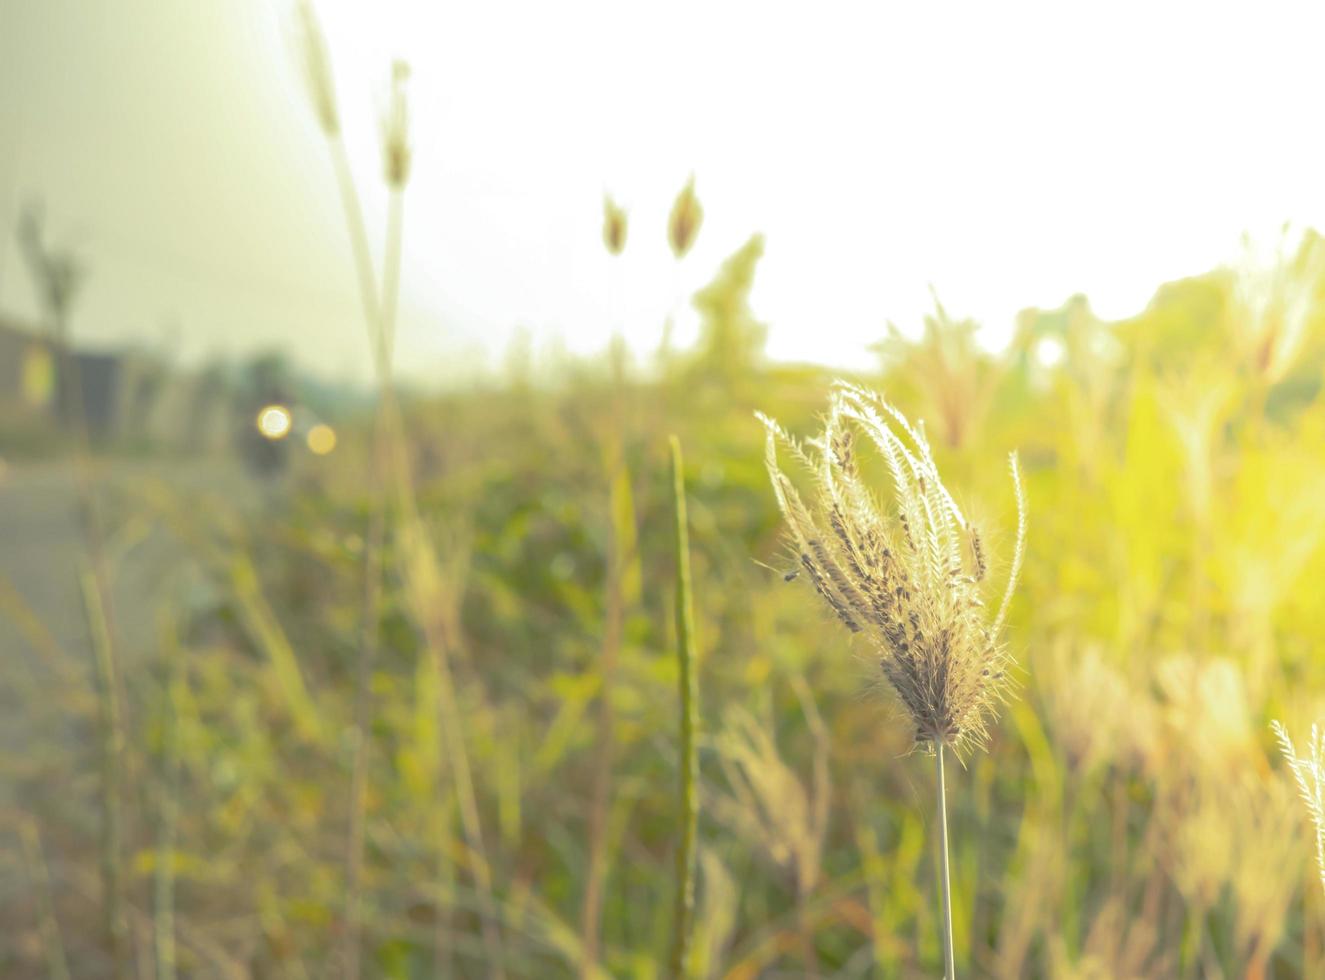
(128,396)
(27,372)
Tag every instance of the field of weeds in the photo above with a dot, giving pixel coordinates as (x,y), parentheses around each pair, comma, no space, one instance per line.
(496,790)
(588,672)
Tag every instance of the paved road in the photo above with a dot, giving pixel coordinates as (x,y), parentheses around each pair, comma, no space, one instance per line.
(48,745)
(41,548)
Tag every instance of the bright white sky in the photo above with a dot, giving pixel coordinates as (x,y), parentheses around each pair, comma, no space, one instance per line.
(1011,154)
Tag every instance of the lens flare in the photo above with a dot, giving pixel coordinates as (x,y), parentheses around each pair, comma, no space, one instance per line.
(274,421)
(321,439)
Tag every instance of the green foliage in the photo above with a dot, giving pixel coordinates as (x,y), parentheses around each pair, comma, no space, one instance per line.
(731,340)
(688,695)
(1126,821)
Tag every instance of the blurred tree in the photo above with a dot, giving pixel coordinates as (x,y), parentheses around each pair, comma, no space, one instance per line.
(58,275)
(208,398)
(731,340)
(954,377)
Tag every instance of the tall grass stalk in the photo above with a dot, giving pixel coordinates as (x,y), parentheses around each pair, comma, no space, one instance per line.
(944,871)
(807,880)
(369,632)
(418,560)
(378,314)
(58,277)
(163,891)
(435,613)
(1309,775)
(687,684)
(112,771)
(621,545)
(269,635)
(910,582)
(443,956)
(57,963)
(380,339)
(605,757)
(620,590)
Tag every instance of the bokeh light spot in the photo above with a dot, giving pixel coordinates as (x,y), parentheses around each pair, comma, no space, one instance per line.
(1050,352)
(274,421)
(321,439)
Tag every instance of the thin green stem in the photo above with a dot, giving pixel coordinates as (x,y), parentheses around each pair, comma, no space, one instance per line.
(94,582)
(950,971)
(112,771)
(380,334)
(379,310)
(368,643)
(391,280)
(614,603)
(163,892)
(1192,935)
(358,234)
(57,964)
(688,685)
(453,741)
(379,320)
(605,752)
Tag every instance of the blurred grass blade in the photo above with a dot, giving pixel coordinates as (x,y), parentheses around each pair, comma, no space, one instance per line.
(163,891)
(944,872)
(622,586)
(112,770)
(685,656)
(433,601)
(57,964)
(266,632)
(624,535)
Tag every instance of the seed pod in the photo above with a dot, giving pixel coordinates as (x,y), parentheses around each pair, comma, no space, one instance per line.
(614,226)
(316,64)
(396,154)
(683,225)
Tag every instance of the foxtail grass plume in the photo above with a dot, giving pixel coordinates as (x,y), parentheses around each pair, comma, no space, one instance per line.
(614,226)
(1091,709)
(910,580)
(683,223)
(316,64)
(956,378)
(770,805)
(1272,303)
(396,154)
(1309,773)
(1266,859)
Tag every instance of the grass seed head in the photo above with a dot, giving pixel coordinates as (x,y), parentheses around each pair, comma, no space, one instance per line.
(316,64)
(614,226)
(686,217)
(770,804)
(1309,775)
(1272,297)
(908,578)
(396,155)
